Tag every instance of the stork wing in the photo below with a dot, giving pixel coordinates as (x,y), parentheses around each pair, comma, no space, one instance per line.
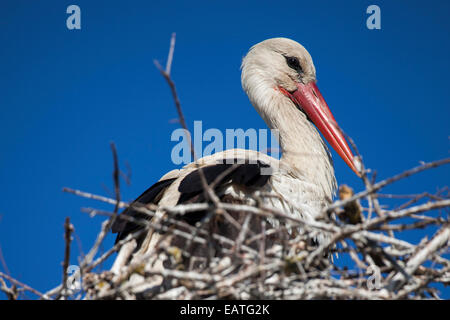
(152,195)
(190,188)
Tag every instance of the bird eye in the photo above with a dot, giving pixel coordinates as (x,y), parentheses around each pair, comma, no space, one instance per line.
(293,63)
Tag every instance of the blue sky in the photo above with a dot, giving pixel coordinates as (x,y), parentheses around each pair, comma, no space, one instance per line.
(65,94)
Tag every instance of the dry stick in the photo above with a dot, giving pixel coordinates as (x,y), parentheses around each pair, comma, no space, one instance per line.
(261,260)
(106,225)
(131,268)
(159,227)
(415,225)
(401,196)
(411,201)
(185,208)
(170,56)
(3,262)
(151,225)
(12,293)
(166,273)
(223,174)
(116,179)
(417,198)
(403,213)
(68,229)
(115,248)
(126,250)
(24,286)
(177,210)
(383,254)
(268,232)
(370,224)
(242,234)
(92,196)
(440,239)
(207,190)
(381,184)
(394,215)
(353,255)
(368,184)
(175,232)
(408,289)
(379,237)
(166,74)
(164,229)
(229,282)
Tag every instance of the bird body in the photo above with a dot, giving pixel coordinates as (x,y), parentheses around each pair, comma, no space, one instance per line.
(279,78)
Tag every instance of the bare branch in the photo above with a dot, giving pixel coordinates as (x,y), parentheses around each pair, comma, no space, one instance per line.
(24,286)
(68,229)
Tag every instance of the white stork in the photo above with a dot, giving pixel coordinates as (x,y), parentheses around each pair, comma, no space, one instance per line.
(279,78)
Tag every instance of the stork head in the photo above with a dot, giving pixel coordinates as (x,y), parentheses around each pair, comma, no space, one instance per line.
(278,73)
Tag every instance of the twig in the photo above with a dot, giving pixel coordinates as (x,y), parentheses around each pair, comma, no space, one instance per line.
(116,173)
(95,197)
(209,193)
(347,230)
(106,225)
(170,55)
(68,229)
(440,239)
(3,262)
(24,286)
(388,181)
(11,293)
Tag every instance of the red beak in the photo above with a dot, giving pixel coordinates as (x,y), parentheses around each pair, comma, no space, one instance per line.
(310,100)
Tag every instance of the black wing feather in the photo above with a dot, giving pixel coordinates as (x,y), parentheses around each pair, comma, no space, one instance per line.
(246,174)
(191,190)
(124,227)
